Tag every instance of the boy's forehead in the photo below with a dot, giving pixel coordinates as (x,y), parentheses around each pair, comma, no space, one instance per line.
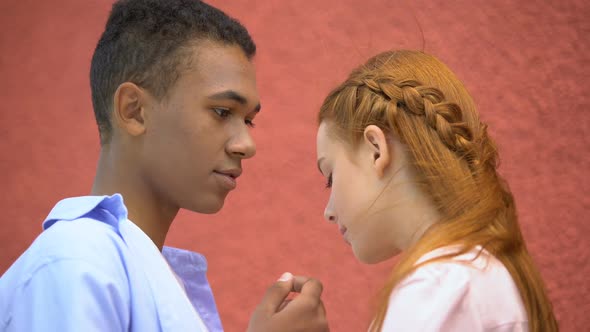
(212,58)
(216,68)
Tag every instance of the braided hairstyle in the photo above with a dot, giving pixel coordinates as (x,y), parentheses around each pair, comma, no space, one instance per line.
(417,99)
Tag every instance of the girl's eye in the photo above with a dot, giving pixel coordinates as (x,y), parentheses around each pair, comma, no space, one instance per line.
(222,112)
(329,183)
(250,123)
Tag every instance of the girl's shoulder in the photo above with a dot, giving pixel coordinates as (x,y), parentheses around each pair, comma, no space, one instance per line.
(472,291)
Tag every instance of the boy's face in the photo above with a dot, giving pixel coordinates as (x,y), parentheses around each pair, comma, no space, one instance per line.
(198,135)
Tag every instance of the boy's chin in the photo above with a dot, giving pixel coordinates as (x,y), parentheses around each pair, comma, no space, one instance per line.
(207,207)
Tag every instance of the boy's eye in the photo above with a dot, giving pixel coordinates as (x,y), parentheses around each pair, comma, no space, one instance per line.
(329,183)
(222,112)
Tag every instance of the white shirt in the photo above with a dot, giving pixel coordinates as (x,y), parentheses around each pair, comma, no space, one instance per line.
(457,295)
(92,269)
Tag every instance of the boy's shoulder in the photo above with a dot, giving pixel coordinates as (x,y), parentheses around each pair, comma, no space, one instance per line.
(80,257)
(82,230)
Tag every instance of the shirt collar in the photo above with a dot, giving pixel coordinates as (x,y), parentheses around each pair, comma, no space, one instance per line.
(76,207)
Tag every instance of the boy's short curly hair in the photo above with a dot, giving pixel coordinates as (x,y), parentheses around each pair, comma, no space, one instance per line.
(149,43)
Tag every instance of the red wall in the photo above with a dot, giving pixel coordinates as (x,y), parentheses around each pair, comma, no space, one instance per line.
(526,64)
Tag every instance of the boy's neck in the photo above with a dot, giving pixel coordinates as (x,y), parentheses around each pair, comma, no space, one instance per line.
(117,174)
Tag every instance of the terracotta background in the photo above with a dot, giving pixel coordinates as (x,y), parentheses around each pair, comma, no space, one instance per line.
(525,62)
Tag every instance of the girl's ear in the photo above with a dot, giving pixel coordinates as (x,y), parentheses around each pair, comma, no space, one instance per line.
(376,143)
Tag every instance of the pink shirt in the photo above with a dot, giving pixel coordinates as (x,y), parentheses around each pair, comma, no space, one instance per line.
(457,295)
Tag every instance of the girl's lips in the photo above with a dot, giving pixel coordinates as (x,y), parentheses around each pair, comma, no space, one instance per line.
(342,229)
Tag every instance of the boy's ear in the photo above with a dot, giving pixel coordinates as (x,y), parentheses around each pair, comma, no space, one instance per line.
(376,142)
(129,109)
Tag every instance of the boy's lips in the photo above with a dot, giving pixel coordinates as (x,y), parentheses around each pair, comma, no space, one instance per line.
(231,172)
(228,177)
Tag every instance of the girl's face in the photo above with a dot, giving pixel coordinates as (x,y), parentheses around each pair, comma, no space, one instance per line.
(378,209)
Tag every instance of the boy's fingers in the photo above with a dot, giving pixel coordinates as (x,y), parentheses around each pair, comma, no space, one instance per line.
(312,288)
(277,293)
(283,305)
(298,282)
(301,282)
(322,309)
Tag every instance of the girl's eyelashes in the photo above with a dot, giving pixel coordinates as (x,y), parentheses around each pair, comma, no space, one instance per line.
(329,183)
(250,123)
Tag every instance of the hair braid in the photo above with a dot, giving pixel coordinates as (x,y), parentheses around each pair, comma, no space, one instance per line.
(444,117)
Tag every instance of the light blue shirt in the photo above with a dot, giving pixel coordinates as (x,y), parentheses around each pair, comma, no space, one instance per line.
(92,269)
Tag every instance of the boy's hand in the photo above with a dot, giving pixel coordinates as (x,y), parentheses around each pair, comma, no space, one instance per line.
(303,313)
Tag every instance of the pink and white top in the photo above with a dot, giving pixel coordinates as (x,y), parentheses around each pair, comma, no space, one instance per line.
(458,294)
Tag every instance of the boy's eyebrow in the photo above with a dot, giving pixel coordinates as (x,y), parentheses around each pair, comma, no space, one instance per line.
(233,95)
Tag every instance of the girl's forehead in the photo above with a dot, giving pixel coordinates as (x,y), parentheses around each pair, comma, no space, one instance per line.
(331,147)
(325,141)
